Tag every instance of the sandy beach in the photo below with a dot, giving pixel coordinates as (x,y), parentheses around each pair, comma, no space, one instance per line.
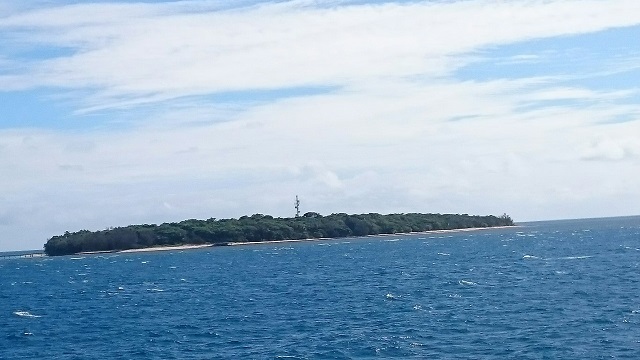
(368,236)
(167,248)
(200,246)
(149,249)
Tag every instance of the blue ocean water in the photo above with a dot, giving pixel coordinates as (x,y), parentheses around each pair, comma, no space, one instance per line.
(549,290)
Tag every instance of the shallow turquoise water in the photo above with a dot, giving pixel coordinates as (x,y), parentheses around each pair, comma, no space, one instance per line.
(553,290)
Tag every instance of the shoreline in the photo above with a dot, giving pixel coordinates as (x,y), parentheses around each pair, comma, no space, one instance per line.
(445,231)
(167,248)
(148,249)
(201,246)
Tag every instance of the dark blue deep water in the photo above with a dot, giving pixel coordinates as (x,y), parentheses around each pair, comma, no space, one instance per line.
(550,290)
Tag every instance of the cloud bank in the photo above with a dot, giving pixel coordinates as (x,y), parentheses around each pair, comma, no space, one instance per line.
(197,109)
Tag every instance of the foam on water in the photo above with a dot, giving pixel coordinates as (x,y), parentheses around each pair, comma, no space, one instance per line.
(25,314)
(467,283)
(576,257)
(390,296)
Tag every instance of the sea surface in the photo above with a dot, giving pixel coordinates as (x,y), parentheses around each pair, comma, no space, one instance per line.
(545,290)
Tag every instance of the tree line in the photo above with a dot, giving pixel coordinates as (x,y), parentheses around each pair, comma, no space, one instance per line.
(259,227)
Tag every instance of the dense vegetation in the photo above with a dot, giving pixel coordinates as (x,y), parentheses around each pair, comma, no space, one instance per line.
(260,227)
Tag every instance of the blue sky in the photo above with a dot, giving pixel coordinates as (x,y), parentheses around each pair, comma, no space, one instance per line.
(117,112)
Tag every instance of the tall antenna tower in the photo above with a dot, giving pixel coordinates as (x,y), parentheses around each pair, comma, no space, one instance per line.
(297,206)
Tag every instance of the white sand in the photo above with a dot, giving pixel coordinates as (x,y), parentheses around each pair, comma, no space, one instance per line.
(166,248)
(379,235)
(200,246)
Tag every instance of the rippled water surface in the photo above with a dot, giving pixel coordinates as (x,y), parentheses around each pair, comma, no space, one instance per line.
(553,290)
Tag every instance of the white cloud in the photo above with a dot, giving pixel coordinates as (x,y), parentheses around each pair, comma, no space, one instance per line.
(150,52)
(394,132)
(566,93)
(607,149)
(523,59)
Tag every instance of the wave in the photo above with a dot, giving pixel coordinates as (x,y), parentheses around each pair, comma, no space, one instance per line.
(25,314)
(559,258)
(390,296)
(467,283)
(575,257)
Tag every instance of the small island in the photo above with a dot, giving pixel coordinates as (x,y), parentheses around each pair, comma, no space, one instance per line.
(261,228)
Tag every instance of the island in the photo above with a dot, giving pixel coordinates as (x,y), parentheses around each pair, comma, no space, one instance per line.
(261,228)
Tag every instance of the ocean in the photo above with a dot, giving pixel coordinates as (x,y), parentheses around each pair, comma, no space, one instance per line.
(544,290)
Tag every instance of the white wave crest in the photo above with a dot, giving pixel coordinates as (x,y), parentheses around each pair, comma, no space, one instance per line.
(25,314)
(467,283)
(390,296)
(576,257)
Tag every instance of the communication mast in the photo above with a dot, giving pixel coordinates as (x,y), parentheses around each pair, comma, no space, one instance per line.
(297,206)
